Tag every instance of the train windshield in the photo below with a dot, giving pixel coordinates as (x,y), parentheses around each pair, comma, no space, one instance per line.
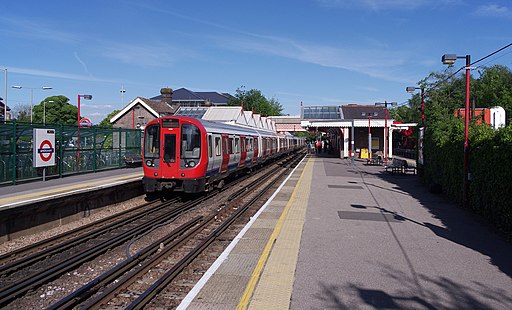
(190,142)
(152,142)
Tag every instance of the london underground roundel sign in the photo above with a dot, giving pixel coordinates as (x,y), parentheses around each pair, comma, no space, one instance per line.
(44,150)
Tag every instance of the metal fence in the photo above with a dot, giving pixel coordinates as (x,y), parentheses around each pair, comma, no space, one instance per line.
(99,149)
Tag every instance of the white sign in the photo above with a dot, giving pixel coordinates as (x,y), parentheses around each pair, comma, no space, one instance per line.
(44,147)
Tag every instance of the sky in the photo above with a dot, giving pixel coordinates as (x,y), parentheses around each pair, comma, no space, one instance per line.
(318,52)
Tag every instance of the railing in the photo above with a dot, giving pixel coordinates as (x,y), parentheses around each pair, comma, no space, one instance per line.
(100,149)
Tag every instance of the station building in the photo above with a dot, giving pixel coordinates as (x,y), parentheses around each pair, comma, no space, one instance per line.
(349,129)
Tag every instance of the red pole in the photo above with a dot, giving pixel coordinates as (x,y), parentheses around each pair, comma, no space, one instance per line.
(78,138)
(466,134)
(386,132)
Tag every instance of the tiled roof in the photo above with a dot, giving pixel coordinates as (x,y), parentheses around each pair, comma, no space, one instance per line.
(183,94)
(160,107)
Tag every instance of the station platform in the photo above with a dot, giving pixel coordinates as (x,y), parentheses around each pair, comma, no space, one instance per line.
(12,196)
(339,234)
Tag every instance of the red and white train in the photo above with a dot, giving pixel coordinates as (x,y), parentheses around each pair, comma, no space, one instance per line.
(192,155)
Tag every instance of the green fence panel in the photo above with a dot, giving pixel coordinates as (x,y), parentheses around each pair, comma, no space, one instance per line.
(77,150)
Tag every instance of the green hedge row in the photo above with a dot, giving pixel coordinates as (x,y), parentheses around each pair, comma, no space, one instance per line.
(490,166)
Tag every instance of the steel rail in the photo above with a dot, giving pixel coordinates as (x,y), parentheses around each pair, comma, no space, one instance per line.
(143,300)
(84,233)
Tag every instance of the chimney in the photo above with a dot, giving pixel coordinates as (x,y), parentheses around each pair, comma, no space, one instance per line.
(166,95)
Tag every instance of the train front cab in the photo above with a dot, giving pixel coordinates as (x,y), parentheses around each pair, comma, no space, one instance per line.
(174,156)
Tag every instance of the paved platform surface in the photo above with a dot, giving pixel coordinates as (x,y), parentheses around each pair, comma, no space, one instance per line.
(16,195)
(343,236)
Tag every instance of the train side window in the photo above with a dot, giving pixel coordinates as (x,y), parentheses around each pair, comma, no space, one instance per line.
(230,146)
(210,147)
(237,145)
(169,148)
(218,146)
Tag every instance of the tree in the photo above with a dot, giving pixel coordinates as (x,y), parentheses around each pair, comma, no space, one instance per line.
(494,88)
(58,110)
(21,113)
(106,121)
(254,100)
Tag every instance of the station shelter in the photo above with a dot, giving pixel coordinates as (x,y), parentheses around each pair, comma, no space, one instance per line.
(352,128)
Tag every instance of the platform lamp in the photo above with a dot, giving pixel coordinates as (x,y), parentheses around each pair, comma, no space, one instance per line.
(411,89)
(86,97)
(44,110)
(385,104)
(32,96)
(449,59)
(369,115)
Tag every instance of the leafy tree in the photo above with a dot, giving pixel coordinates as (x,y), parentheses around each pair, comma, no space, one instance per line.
(58,110)
(21,113)
(494,88)
(106,121)
(254,100)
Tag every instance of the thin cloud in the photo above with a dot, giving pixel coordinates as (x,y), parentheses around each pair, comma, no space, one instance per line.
(494,10)
(59,75)
(31,29)
(369,61)
(82,63)
(378,5)
(97,106)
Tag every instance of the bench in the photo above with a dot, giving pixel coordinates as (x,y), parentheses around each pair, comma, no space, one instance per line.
(400,166)
(407,168)
(375,160)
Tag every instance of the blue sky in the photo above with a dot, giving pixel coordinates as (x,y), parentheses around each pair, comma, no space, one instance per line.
(320,52)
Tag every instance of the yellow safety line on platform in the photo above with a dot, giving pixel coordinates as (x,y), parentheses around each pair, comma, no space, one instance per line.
(68,188)
(258,270)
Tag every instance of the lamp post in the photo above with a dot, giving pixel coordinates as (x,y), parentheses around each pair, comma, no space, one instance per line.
(86,97)
(411,89)
(385,104)
(122,91)
(44,110)
(32,96)
(449,59)
(5,94)
(369,114)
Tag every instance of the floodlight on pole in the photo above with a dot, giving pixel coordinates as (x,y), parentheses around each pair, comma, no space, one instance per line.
(450,59)
(385,104)
(44,110)
(411,89)
(32,96)
(122,91)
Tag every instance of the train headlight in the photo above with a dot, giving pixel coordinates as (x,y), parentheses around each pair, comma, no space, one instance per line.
(149,163)
(191,163)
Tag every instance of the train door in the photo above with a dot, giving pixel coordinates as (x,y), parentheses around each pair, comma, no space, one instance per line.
(169,156)
(250,150)
(243,150)
(213,157)
(225,154)
(256,149)
(264,147)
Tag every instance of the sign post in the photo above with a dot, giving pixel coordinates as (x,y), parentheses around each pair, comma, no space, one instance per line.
(44,149)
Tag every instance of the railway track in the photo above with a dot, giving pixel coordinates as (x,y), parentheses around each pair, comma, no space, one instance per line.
(115,233)
(191,240)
